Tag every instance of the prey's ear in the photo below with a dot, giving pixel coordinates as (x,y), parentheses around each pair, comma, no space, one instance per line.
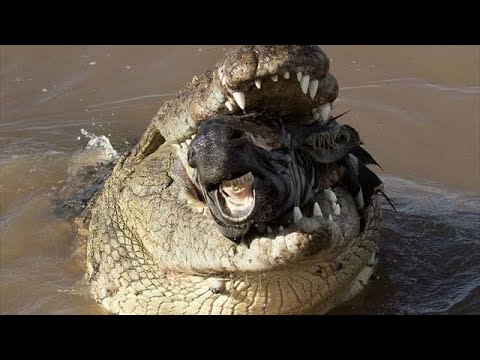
(326,143)
(364,156)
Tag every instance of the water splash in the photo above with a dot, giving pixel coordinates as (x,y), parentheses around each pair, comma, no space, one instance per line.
(101,146)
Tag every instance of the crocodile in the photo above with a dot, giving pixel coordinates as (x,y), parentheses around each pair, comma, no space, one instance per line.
(245,195)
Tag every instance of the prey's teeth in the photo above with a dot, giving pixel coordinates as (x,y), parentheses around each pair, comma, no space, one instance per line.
(280,229)
(258,83)
(317,211)
(239,97)
(275,78)
(304,83)
(337,211)
(325,111)
(331,195)
(286,75)
(312,88)
(299,76)
(269,230)
(297,214)
(229,105)
(316,116)
(330,218)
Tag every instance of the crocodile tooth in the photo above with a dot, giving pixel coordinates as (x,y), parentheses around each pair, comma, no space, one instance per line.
(325,111)
(269,230)
(229,105)
(258,83)
(299,76)
(188,141)
(287,75)
(297,214)
(314,110)
(337,211)
(274,78)
(359,199)
(317,211)
(239,97)
(330,218)
(312,88)
(280,229)
(316,116)
(304,83)
(331,195)
(193,136)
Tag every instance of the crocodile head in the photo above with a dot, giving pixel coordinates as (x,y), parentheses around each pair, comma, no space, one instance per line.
(244,172)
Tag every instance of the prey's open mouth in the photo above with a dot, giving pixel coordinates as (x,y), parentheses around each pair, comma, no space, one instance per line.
(236,198)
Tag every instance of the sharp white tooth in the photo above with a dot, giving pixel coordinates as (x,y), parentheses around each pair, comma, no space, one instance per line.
(304,83)
(188,141)
(269,230)
(299,76)
(286,75)
(316,116)
(239,97)
(331,195)
(258,83)
(330,218)
(229,105)
(224,81)
(337,211)
(359,199)
(297,214)
(317,211)
(333,206)
(193,136)
(325,111)
(314,110)
(312,88)
(274,78)
(280,229)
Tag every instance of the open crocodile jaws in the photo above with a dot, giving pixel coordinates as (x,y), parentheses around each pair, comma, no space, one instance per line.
(240,198)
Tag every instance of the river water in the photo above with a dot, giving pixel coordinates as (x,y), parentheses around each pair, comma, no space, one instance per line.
(417,108)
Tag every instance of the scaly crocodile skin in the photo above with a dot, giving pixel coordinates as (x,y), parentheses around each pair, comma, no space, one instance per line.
(160,257)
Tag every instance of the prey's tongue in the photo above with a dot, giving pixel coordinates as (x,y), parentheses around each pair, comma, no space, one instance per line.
(238,196)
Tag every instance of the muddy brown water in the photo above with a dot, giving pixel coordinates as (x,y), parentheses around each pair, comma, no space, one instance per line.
(417,109)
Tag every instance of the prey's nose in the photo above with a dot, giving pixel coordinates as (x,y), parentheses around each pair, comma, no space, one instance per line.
(218,152)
